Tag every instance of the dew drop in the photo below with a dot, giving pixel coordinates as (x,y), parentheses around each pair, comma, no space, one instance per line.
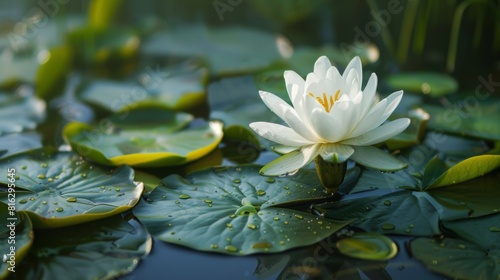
(276,218)
(262,245)
(388,227)
(282,242)
(23,167)
(22,201)
(214,246)
(251,226)
(172,232)
(495,229)
(286,187)
(261,192)
(71,199)
(40,176)
(462,246)
(59,209)
(285,222)
(270,180)
(83,175)
(298,216)
(43,165)
(434,262)
(228,239)
(117,189)
(102,187)
(231,248)
(31,198)
(50,180)
(232,216)
(207,201)
(411,225)
(387,202)
(236,181)
(44,202)
(229,225)
(367,208)
(184,196)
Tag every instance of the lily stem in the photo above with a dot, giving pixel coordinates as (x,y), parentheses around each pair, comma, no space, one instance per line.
(330,174)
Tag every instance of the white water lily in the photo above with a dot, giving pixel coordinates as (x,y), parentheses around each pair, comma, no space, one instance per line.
(331,117)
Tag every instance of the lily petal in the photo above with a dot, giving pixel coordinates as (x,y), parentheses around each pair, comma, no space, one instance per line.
(282,149)
(321,66)
(291,162)
(379,134)
(354,64)
(291,79)
(336,153)
(279,133)
(370,156)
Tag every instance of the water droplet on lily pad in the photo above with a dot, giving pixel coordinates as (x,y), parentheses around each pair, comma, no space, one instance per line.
(184,196)
(236,181)
(495,229)
(388,226)
(40,176)
(276,218)
(434,262)
(43,165)
(207,201)
(262,245)
(83,175)
(71,199)
(231,248)
(282,242)
(270,180)
(261,192)
(387,202)
(23,167)
(59,209)
(251,226)
(299,217)
(22,201)
(214,246)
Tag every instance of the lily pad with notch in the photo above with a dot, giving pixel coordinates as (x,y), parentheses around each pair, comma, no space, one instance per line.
(103,249)
(234,210)
(145,137)
(59,189)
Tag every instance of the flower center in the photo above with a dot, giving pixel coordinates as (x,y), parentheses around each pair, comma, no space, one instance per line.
(327,101)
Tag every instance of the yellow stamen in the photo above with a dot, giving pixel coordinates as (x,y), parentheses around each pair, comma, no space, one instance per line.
(327,103)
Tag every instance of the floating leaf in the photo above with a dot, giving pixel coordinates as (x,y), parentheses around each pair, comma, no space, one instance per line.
(17,143)
(458,259)
(145,137)
(287,12)
(103,249)
(228,50)
(16,236)
(60,188)
(17,68)
(368,246)
(234,210)
(413,134)
(20,111)
(178,92)
(434,84)
(469,116)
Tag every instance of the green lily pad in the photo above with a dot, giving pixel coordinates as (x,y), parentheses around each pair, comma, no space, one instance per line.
(434,84)
(413,134)
(178,92)
(20,142)
(286,12)
(58,189)
(20,111)
(228,50)
(144,137)
(234,210)
(18,68)
(418,213)
(103,249)
(98,45)
(475,118)
(456,258)
(16,237)
(368,246)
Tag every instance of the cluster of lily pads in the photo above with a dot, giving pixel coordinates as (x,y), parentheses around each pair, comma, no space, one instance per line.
(109,161)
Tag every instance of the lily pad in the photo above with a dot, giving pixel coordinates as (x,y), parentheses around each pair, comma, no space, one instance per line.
(469,117)
(178,92)
(234,210)
(16,237)
(103,249)
(17,68)
(418,213)
(144,137)
(228,50)
(20,111)
(58,189)
(434,84)
(413,134)
(368,246)
(20,142)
